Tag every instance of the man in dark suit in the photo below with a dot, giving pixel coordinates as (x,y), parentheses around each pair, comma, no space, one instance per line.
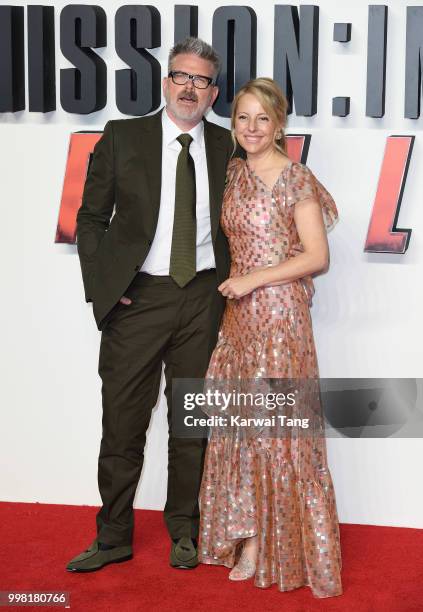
(151,271)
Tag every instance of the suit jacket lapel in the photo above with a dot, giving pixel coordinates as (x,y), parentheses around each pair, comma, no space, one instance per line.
(216,167)
(151,151)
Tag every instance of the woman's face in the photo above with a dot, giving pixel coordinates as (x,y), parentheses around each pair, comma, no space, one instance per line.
(254,128)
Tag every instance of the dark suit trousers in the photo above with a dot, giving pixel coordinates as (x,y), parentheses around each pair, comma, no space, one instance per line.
(166,324)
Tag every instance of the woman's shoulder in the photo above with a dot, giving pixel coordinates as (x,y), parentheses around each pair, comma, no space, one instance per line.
(303,177)
(301,172)
(235,165)
(298,170)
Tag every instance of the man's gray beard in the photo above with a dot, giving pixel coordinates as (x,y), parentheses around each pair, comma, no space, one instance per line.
(196,114)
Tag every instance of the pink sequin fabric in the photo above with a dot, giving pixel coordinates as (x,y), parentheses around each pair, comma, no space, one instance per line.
(276,487)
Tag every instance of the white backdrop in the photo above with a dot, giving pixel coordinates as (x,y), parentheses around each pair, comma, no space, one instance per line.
(366,317)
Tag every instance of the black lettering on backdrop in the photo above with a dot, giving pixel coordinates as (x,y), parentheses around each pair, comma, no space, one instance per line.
(186,22)
(41,60)
(235,39)
(376,60)
(295,61)
(341,104)
(83,88)
(413,62)
(12,62)
(138,88)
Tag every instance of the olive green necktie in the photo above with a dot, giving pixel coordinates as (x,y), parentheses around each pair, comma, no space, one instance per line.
(183,252)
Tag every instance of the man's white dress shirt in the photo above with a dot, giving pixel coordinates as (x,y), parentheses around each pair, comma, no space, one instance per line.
(158,258)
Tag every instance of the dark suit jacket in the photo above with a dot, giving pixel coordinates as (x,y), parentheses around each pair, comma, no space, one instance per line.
(125,176)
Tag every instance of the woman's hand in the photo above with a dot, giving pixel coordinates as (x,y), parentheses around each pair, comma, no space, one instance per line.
(238,286)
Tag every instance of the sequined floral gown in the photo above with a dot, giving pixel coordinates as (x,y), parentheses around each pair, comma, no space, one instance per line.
(279,488)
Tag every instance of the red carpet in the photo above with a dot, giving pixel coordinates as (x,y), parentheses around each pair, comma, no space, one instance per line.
(382,568)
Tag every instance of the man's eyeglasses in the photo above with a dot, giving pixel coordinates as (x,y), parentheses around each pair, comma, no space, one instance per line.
(181,78)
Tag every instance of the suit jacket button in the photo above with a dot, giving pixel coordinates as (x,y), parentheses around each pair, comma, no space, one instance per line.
(137,268)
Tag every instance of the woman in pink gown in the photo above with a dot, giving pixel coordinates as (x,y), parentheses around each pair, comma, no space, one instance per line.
(267,502)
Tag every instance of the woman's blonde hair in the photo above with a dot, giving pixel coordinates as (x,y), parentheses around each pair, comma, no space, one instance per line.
(274,102)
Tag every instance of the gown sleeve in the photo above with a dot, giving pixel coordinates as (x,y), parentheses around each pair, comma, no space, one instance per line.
(232,171)
(302,184)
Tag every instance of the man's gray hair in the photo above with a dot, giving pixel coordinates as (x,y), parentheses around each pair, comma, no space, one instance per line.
(198,47)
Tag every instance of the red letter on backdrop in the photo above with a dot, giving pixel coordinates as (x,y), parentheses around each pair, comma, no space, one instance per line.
(383,235)
(298,146)
(81,146)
